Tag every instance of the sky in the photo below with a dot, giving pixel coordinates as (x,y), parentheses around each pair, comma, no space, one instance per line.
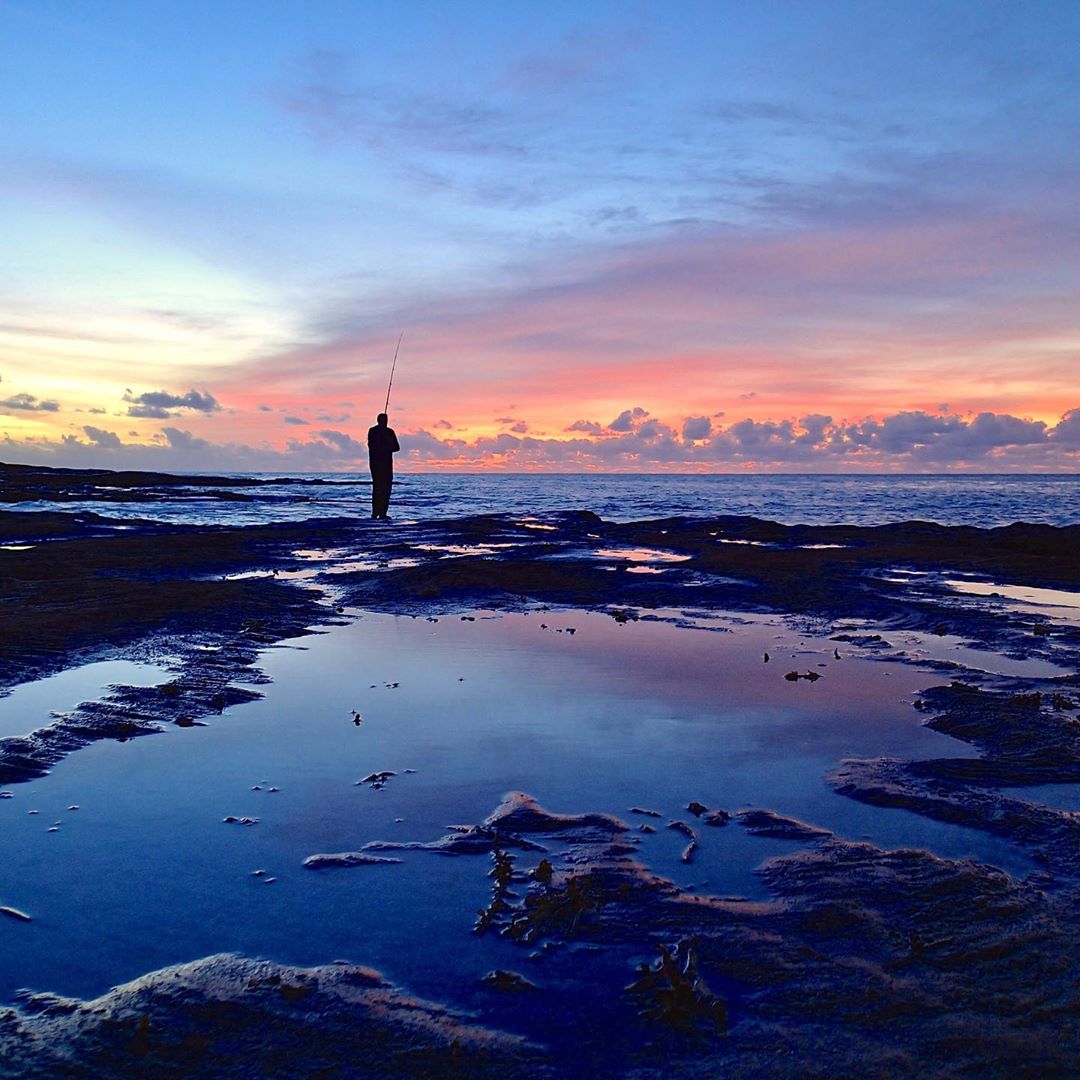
(726,236)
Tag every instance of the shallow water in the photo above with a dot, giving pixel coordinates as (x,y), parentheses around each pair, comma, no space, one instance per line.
(29,706)
(145,872)
(1059,605)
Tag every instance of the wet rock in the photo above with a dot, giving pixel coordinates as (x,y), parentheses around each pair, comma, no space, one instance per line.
(648,813)
(543,872)
(688,851)
(767,823)
(166,1024)
(867,641)
(376,779)
(696,808)
(14,913)
(518,814)
(346,858)
(716,817)
(507,982)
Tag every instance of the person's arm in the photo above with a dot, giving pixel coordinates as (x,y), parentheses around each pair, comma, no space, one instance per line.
(394,447)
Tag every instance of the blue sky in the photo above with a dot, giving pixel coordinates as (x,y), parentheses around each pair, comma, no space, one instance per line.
(736,211)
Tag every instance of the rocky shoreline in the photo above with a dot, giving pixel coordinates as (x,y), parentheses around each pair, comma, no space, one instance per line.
(895,962)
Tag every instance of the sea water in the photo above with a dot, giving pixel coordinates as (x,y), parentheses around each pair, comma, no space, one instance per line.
(953,499)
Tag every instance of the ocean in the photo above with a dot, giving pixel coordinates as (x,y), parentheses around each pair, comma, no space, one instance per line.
(981,500)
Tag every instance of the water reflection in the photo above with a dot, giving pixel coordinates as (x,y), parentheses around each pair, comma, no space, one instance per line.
(610,716)
(30,705)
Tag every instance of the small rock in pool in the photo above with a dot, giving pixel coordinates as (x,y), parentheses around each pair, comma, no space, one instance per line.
(14,913)
(347,858)
(688,851)
(812,676)
(379,778)
(507,981)
(258,873)
(269,880)
(646,829)
(7,794)
(273,790)
(53,828)
(696,808)
(73,807)
(33,811)
(647,813)
(717,817)
(233,820)
(256,787)
(792,676)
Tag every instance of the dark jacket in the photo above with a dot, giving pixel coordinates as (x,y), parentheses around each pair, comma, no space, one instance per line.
(382,445)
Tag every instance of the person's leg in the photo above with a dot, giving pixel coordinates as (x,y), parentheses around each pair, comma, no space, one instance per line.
(386,491)
(375,492)
(380,490)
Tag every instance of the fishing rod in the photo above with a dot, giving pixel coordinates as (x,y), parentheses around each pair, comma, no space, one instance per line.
(386,407)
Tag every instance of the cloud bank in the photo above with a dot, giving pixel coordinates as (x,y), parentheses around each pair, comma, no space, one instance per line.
(909,441)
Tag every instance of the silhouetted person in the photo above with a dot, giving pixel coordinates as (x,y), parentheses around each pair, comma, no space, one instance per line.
(382,445)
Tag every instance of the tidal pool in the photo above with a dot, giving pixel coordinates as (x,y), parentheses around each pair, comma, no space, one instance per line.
(581,712)
(30,705)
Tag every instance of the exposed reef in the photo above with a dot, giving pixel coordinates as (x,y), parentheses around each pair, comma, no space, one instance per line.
(34,483)
(860,961)
(864,961)
(224,1017)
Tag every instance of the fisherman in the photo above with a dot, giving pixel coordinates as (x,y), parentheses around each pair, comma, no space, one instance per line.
(382,446)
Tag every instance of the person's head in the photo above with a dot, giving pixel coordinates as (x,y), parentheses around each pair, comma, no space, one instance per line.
(381,419)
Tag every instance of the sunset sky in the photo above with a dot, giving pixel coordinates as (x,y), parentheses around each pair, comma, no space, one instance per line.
(818,235)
